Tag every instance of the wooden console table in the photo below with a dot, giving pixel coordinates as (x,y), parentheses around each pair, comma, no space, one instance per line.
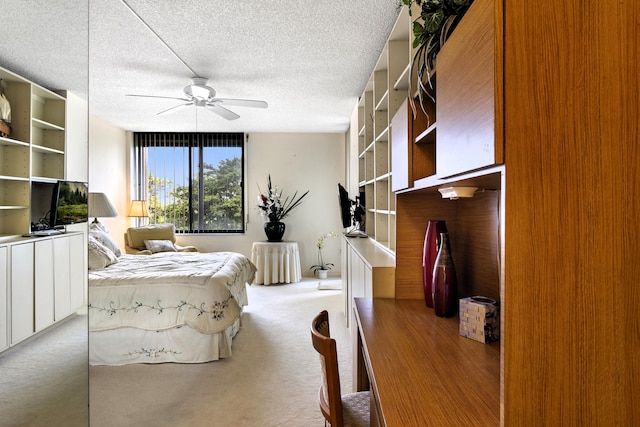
(420,371)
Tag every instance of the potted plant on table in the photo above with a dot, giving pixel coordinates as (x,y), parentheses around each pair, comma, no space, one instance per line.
(321,269)
(275,208)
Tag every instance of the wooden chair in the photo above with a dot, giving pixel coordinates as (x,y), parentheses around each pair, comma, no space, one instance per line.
(348,410)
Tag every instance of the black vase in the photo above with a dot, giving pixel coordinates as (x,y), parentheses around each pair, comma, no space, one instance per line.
(274,231)
(445,294)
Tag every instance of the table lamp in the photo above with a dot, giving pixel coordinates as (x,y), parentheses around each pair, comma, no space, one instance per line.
(138,209)
(100,206)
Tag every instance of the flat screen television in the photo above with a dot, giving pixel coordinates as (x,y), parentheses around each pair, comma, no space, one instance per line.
(351,213)
(41,201)
(69,204)
(345,206)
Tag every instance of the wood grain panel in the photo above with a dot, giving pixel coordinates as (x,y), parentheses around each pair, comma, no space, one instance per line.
(421,371)
(413,211)
(572,201)
(473,228)
(466,94)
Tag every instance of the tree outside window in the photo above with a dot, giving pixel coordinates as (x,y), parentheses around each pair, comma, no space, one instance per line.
(194,181)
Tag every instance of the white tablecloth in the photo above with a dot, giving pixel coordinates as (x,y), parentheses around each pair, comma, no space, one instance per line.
(277,262)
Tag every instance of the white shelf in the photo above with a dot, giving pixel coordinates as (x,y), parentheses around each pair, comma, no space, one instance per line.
(45,125)
(42,149)
(11,208)
(386,90)
(402,83)
(8,142)
(14,178)
(34,152)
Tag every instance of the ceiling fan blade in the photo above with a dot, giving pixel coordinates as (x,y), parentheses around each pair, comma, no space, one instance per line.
(241,102)
(223,112)
(163,97)
(174,109)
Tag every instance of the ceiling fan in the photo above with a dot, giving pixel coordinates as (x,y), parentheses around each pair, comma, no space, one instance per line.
(198,94)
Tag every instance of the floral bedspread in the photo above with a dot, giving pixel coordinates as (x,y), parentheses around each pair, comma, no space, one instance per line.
(205,291)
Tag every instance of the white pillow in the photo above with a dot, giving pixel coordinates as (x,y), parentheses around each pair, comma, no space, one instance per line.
(99,255)
(96,231)
(160,246)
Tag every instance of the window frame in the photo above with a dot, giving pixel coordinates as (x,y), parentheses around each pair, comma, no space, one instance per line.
(190,140)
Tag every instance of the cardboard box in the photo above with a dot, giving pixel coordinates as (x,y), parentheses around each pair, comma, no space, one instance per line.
(480,319)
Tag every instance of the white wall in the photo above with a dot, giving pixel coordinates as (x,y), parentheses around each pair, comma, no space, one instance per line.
(108,172)
(77,138)
(295,161)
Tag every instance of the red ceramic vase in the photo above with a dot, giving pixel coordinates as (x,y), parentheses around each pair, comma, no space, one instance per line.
(445,295)
(429,254)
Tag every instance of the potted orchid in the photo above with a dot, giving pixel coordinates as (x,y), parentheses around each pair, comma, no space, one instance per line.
(274,207)
(322,268)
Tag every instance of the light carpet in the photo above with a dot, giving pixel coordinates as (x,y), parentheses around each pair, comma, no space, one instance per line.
(272,379)
(43,381)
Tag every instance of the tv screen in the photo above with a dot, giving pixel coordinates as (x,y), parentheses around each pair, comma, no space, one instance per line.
(41,199)
(345,206)
(70,203)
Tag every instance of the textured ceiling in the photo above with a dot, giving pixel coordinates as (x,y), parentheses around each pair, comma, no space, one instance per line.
(309,60)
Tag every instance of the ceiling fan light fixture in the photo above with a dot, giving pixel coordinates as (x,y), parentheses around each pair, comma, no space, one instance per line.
(200,91)
(200,94)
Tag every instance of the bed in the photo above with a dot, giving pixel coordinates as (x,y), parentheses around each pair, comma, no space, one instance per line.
(182,307)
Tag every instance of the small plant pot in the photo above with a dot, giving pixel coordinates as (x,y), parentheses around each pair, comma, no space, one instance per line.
(322,274)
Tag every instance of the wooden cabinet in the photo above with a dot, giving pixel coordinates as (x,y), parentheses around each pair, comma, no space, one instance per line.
(466,95)
(571,128)
(35,150)
(565,130)
(456,130)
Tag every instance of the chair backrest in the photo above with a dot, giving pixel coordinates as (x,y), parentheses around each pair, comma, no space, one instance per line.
(135,236)
(329,395)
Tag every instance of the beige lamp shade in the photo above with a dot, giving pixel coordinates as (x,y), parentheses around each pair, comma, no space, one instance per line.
(100,206)
(138,209)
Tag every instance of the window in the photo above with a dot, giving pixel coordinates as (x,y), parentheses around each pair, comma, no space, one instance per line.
(192,180)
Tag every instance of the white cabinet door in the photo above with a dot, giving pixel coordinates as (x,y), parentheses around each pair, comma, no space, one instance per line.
(4,302)
(78,270)
(357,276)
(43,271)
(22,292)
(62,277)
(367,280)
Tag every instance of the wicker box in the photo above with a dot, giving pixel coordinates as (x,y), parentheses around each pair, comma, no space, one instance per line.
(479,319)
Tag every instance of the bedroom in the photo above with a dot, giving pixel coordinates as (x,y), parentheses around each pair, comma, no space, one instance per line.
(315,159)
(577,326)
